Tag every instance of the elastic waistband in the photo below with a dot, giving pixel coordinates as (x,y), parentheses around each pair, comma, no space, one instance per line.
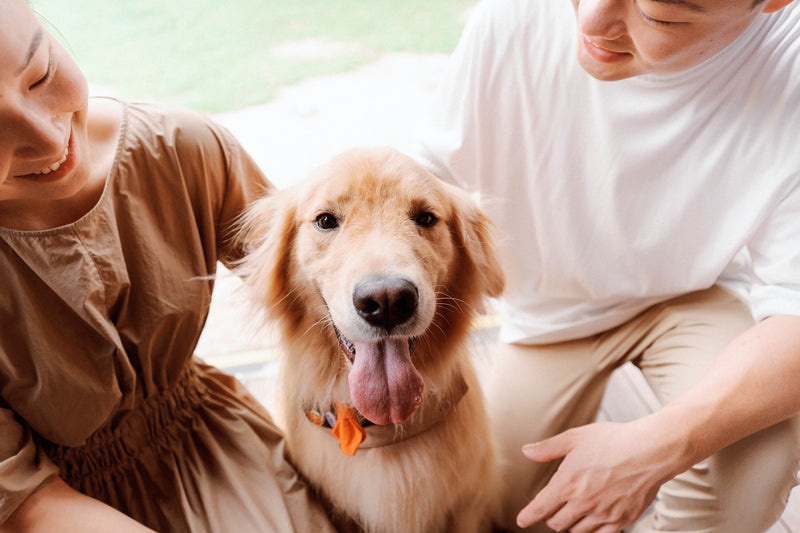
(155,426)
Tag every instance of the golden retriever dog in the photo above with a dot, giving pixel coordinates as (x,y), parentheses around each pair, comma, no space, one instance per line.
(373,269)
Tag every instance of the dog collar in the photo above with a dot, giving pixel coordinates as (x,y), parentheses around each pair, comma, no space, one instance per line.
(353,431)
(346,424)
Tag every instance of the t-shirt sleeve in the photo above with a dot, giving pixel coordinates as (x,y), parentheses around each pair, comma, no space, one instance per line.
(775,253)
(23,466)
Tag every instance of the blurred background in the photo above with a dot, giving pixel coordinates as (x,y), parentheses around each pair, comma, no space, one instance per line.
(222,56)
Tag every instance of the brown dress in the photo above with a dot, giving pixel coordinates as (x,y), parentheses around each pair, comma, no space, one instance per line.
(98,323)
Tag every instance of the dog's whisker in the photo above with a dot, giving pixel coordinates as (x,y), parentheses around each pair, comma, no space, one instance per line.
(451,304)
(324,320)
(272,310)
(458,304)
(440,329)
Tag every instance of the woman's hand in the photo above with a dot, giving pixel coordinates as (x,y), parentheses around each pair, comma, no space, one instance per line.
(58,507)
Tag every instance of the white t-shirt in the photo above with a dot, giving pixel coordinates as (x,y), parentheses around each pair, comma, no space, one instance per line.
(612,196)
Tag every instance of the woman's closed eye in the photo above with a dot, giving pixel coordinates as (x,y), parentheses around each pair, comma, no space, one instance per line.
(48,73)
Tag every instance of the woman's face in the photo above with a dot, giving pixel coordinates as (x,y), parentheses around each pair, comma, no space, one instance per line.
(44,151)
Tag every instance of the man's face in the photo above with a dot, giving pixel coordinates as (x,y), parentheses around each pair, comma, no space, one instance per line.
(623,38)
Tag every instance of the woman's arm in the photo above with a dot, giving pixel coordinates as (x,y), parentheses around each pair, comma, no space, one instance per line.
(611,472)
(58,507)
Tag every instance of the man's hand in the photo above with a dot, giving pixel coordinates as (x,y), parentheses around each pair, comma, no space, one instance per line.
(609,476)
(611,472)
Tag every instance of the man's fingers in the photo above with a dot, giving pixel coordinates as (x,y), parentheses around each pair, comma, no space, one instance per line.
(542,507)
(563,519)
(545,504)
(585,526)
(531,514)
(549,449)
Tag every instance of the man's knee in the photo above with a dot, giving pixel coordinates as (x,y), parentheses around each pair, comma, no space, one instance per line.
(741,489)
(757,473)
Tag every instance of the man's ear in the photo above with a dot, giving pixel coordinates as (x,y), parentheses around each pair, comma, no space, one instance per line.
(771,6)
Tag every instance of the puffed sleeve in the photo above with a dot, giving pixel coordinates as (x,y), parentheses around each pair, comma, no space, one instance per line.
(23,466)
(220,177)
(244,182)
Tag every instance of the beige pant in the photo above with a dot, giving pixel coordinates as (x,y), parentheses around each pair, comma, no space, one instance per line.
(538,391)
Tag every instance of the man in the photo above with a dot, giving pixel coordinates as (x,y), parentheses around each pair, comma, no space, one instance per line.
(640,158)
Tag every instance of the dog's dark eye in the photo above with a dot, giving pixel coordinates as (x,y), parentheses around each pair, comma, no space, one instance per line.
(326,222)
(426,219)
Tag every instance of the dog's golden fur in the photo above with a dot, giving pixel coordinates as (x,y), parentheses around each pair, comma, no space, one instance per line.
(376,214)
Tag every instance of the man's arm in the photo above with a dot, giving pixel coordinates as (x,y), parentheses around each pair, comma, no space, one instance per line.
(57,507)
(611,472)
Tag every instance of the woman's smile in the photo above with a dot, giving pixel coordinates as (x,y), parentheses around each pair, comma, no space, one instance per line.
(56,170)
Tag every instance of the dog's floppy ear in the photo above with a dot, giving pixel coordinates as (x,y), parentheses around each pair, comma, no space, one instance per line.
(474,237)
(268,231)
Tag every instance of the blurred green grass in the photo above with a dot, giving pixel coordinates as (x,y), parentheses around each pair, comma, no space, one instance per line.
(218,56)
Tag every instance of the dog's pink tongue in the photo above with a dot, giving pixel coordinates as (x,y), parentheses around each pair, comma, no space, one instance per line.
(384,384)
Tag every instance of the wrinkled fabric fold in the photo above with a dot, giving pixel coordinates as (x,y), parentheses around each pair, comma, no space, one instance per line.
(205,438)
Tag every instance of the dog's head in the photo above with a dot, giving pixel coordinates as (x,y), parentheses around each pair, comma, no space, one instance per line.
(383,256)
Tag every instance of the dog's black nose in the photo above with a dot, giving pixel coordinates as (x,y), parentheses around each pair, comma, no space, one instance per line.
(385,302)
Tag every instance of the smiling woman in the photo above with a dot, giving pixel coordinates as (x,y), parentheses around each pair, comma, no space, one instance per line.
(113,216)
(47,179)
